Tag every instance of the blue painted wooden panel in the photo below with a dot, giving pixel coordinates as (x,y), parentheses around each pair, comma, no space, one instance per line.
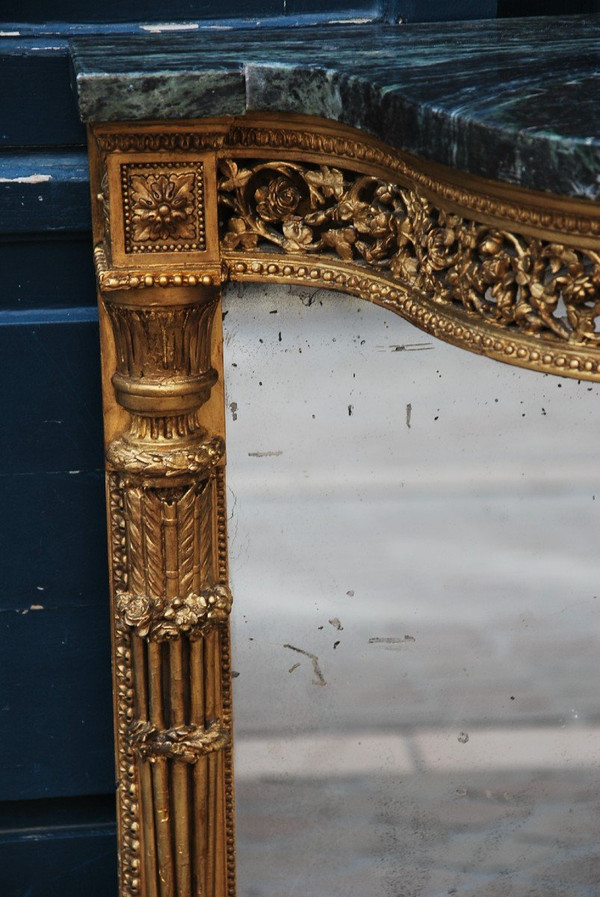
(37,104)
(44,192)
(39,271)
(55,679)
(350,8)
(138,10)
(58,848)
(54,631)
(512,8)
(51,386)
(54,620)
(411,11)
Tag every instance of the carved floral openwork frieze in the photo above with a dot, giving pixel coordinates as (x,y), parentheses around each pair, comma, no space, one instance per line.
(526,284)
(500,271)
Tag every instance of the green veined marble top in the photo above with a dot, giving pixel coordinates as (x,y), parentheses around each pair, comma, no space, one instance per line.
(517,100)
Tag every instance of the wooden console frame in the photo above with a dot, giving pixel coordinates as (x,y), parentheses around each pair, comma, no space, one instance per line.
(180,208)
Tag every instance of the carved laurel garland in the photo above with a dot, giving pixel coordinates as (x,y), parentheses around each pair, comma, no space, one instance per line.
(523,284)
(198,459)
(184,743)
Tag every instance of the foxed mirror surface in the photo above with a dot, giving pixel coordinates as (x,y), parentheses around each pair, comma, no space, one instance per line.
(414,554)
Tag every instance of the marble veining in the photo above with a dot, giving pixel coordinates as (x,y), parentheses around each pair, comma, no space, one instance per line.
(515,100)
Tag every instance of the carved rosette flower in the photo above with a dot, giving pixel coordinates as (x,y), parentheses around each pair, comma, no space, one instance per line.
(442,244)
(163,207)
(277,199)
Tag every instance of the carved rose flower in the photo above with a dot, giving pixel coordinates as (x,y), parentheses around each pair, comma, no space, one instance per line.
(191,614)
(582,288)
(342,241)
(277,199)
(386,193)
(297,236)
(163,207)
(219,603)
(491,242)
(374,221)
(136,611)
(442,249)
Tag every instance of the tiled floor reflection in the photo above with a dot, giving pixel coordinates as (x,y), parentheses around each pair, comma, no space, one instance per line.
(491,834)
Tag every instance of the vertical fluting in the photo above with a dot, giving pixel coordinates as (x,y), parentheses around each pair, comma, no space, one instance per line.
(160,777)
(180,772)
(217,759)
(170,598)
(209,716)
(199,769)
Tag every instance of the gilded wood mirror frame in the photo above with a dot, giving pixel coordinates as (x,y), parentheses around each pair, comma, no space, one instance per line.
(179,209)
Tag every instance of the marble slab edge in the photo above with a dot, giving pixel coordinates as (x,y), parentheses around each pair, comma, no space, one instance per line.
(403,95)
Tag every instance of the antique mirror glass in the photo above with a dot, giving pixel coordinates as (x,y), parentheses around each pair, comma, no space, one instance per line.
(413,538)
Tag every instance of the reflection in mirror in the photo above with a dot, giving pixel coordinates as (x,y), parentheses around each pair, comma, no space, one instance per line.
(414,557)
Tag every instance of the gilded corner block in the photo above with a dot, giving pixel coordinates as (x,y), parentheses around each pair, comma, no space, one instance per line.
(161,209)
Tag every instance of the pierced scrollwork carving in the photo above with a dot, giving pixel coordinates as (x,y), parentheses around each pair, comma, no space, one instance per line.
(478,196)
(163,619)
(520,283)
(187,743)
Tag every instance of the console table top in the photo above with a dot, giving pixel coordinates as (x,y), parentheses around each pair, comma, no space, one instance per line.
(515,100)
